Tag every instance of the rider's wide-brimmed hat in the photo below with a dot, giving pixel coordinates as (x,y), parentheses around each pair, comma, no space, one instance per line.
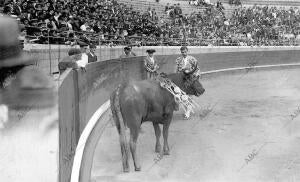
(150,51)
(11,53)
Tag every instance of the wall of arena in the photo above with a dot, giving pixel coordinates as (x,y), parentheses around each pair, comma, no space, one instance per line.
(79,90)
(48,56)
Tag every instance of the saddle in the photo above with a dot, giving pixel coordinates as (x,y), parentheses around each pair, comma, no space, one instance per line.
(180,96)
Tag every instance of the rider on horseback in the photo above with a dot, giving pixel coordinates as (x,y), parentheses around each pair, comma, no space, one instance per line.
(187,64)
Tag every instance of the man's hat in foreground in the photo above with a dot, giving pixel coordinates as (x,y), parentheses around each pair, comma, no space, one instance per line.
(11,53)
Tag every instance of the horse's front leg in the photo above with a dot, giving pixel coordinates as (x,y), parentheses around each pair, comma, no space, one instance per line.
(157,135)
(166,133)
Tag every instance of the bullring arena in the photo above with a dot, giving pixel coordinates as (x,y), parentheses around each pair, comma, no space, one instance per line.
(246,127)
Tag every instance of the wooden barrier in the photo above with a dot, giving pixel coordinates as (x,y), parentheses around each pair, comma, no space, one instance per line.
(68,122)
(49,56)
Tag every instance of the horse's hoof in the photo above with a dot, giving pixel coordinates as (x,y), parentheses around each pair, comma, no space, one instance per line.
(166,152)
(126,170)
(138,169)
(157,149)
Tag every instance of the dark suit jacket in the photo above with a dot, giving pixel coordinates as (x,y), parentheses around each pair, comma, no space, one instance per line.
(92,58)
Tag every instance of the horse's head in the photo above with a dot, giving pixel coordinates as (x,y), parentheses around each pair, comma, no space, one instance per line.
(188,82)
(191,83)
(192,86)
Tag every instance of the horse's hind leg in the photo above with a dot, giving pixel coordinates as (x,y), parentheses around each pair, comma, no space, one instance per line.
(134,133)
(165,135)
(157,135)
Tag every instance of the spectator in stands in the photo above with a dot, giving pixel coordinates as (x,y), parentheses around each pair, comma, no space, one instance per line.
(220,5)
(167,7)
(117,22)
(91,54)
(83,46)
(235,2)
(127,52)
(84,27)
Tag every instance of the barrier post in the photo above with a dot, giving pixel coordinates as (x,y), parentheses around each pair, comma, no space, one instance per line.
(69,132)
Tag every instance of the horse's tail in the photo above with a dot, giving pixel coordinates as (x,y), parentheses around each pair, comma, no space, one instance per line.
(118,118)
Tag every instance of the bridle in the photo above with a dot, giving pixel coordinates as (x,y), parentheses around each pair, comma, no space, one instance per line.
(189,79)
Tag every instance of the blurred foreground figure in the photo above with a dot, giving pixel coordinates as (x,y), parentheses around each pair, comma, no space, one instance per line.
(28,114)
(22,84)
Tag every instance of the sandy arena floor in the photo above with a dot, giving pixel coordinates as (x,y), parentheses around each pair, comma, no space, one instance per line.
(29,146)
(247,129)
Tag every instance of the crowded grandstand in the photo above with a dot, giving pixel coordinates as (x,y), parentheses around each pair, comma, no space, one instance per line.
(157,23)
(74,71)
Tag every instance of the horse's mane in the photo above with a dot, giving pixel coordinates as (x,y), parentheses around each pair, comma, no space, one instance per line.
(182,80)
(176,78)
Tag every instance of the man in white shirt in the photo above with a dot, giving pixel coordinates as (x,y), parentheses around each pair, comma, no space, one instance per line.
(84,26)
(84,57)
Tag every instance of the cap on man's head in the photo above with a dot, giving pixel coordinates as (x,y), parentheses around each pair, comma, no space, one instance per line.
(92,46)
(81,43)
(150,51)
(183,48)
(34,21)
(74,51)
(127,48)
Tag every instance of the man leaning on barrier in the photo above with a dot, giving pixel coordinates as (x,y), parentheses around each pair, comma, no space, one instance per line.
(77,58)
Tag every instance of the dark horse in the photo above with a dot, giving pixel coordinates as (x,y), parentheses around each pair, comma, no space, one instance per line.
(136,102)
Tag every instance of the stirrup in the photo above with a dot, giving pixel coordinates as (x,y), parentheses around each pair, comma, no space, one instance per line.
(186,118)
